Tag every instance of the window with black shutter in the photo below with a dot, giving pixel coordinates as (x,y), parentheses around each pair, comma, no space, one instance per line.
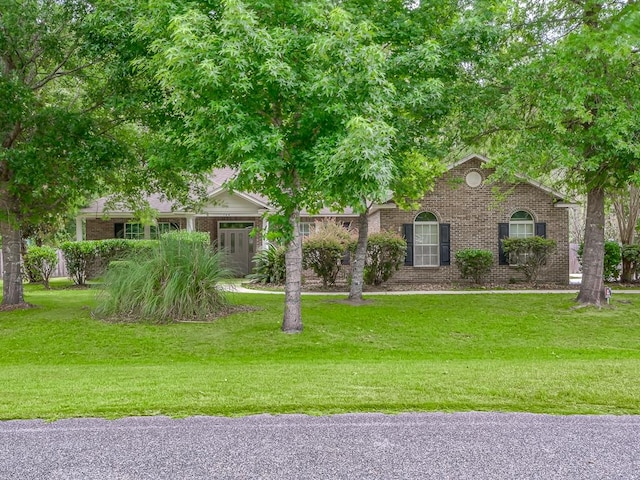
(445,244)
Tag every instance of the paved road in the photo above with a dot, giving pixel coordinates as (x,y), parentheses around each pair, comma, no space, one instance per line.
(359,446)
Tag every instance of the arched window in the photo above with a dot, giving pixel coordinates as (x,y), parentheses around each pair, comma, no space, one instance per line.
(521,225)
(425,240)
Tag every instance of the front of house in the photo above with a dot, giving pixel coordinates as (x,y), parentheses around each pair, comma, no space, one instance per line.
(461,212)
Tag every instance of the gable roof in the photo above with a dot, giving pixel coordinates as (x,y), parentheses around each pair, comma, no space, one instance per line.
(474,156)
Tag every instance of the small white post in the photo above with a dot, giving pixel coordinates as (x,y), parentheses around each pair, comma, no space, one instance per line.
(79,234)
(191,223)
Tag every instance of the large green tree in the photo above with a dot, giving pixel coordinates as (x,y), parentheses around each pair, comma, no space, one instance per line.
(561,96)
(68,101)
(279,91)
(425,45)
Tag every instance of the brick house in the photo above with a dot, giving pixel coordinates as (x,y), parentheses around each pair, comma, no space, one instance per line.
(228,218)
(461,212)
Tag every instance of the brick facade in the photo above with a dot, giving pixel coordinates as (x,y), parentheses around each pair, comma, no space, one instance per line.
(474,215)
(99,229)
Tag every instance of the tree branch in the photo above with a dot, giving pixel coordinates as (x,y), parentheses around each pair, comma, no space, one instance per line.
(12,137)
(56,73)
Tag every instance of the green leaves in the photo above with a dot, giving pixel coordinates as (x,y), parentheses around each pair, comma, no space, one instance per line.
(567,100)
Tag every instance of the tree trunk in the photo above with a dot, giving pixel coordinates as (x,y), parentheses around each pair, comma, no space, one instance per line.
(292,321)
(12,290)
(626,204)
(357,268)
(592,287)
(626,271)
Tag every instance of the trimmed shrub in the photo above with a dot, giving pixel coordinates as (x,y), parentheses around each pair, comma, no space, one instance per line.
(530,254)
(77,255)
(185,236)
(270,267)
(612,259)
(474,263)
(90,258)
(324,250)
(385,255)
(177,280)
(39,263)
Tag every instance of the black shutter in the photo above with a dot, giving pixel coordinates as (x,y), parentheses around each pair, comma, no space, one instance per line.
(445,244)
(541,230)
(118,230)
(503,232)
(407,230)
(346,258)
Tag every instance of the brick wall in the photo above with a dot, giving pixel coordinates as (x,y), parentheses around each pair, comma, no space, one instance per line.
(98,229)
(474,214)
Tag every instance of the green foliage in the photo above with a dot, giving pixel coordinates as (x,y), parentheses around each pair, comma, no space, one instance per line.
(39,263)
(631,253)
(77,256)
(269,266)
(529,254)
(89,258)
(557,97)
(474,263)
(325,248)
(385,255)
(612,259)
(75,115)
(185,236)
(176,280)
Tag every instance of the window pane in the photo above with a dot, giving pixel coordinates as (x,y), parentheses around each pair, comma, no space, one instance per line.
(236,225)
(522,215)
(426,217)
(133,231)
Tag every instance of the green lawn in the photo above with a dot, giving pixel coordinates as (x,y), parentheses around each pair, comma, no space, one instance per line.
(506,352)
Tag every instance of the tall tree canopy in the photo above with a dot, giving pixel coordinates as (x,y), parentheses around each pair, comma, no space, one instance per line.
(561,95)
(68,99)
(296,96)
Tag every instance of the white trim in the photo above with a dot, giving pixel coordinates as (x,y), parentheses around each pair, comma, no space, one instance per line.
(191,223)
(242,195)
(383,206)
(235,221)
(430,223)
(79,235)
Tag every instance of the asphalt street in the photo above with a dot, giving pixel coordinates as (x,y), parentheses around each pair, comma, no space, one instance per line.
(355,446)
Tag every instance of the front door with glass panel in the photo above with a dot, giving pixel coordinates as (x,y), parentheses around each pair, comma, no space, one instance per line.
(234,240)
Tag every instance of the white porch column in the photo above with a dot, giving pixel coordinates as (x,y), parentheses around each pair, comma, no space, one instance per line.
(191,223)
(265,230)
(79,234)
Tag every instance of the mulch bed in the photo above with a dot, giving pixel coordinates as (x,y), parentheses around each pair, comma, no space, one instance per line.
(343,288)
(19,306)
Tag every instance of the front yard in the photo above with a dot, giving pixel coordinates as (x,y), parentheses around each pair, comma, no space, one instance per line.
(500,352)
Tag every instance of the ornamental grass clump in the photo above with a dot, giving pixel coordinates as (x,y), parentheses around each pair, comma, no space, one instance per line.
(269,266)
(179,280)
